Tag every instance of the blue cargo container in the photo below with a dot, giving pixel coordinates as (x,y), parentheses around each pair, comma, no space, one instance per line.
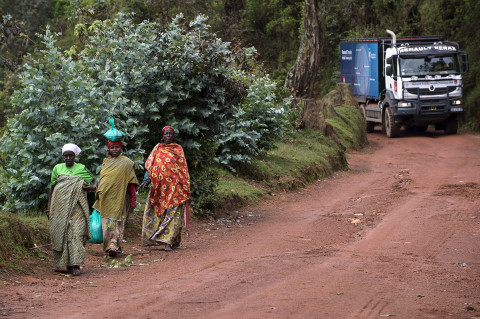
(359,66)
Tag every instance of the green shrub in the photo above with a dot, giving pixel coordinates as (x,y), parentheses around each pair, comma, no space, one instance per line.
(145,76)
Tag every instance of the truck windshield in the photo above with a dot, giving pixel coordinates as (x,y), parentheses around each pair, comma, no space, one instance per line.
(428,65)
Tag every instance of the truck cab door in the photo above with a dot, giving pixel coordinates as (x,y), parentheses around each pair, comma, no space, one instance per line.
(391,75)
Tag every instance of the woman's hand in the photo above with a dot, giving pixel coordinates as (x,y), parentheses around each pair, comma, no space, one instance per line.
(89,188)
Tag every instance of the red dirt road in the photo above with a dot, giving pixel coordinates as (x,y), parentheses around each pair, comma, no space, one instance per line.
(396,235)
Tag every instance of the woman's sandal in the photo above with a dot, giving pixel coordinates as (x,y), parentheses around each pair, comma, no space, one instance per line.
(76,270)
(168,247)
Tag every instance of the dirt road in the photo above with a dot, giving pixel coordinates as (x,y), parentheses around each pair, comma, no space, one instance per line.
(397,235)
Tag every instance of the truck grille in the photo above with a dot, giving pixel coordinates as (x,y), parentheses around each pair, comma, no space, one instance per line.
(437,91)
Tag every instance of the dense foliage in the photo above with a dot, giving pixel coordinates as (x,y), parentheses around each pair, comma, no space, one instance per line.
(145,76)
(155,92)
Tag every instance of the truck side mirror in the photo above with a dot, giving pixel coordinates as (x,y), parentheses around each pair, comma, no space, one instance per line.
(389,60)
(464,62)
(388,70)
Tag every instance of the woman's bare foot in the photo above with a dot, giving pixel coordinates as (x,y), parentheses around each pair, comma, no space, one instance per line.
(168,247)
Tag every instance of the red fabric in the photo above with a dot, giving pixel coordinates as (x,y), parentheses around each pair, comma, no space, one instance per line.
(110,143)
(168,171)
(133,194)
(168,127)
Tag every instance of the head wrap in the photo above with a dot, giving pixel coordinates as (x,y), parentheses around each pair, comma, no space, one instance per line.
(119,143)
(167,127)
(72,148)
(163,132)
(110,143)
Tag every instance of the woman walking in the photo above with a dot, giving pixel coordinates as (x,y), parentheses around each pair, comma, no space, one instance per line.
(170,190)
(68,210)
(115,197)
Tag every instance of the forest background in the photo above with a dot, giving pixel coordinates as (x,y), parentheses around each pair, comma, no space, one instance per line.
(273,27)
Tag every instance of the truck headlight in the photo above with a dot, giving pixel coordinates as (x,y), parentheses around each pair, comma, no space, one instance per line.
(457,102)
(404,104)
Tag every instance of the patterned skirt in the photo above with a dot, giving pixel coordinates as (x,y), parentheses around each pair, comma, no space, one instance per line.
(165,229)
(113,229)
(113,233)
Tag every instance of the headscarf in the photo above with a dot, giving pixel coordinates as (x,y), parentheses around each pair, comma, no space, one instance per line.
(110,143)
(72,148)
(167,127)
(163,131)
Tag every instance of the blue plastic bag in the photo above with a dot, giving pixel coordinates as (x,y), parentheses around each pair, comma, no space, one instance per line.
(96,228)
(113,134)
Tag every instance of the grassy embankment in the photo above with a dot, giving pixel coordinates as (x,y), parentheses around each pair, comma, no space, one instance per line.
(300,160)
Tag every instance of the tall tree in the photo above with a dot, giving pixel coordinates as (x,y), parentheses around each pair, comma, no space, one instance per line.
(301,77)
(8,29)
(231,18)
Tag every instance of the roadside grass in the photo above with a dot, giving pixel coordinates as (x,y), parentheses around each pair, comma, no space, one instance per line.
(299,160)
(304,157)
(19,239)
(349,127)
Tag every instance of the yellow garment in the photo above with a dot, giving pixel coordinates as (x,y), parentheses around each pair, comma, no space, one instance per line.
(116,174)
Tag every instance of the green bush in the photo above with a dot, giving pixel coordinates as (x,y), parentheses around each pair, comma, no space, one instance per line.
(145,76)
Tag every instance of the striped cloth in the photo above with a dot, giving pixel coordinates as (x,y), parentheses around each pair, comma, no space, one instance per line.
(166,229)
(69,221)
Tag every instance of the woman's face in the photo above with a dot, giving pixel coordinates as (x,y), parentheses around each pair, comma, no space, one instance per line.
(69,158)
(115,150)
(168,136)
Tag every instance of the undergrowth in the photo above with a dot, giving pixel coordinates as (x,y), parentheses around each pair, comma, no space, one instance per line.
(19,237)
(300,160)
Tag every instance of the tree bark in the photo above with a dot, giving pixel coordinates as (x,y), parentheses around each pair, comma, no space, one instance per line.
(301,77)
(231,17)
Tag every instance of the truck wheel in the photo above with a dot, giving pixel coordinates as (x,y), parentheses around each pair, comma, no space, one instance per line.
(451,127)
(392,129)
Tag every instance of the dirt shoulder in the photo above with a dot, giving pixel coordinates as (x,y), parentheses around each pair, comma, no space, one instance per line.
(397,235)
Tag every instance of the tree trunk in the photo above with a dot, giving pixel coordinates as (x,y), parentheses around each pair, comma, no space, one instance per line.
(301,77)
(231,17)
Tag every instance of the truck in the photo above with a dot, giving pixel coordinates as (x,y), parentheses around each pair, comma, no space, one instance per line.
(409,82)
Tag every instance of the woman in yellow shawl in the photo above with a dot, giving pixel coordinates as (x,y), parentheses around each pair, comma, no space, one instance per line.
(170,189)
(115,197)
(68,210)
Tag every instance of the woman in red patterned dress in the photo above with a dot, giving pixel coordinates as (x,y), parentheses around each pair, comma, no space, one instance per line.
(170,190)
